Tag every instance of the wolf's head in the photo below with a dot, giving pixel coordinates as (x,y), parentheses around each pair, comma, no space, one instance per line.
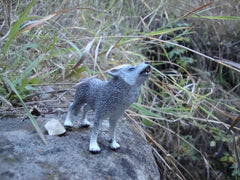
(132,75)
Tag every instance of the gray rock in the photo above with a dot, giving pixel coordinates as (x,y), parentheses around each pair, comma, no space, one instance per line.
(24,156)
(54,127)
(46,90)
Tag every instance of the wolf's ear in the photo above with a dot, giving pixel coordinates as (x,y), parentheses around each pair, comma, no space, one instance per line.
(113,72)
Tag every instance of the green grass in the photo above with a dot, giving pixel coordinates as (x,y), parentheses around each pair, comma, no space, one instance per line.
(184,113)
(26,109)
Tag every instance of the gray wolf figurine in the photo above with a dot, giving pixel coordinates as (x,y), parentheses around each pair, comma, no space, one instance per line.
(108,99)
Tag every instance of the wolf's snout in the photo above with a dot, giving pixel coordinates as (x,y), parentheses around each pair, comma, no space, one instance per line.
(146,71)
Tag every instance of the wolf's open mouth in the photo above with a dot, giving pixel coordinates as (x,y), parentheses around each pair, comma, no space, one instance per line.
(146,71)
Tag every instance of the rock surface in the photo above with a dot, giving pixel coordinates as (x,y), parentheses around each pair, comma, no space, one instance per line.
(24,156)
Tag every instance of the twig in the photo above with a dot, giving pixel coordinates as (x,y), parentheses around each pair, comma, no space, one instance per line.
(6,101)
(50,92)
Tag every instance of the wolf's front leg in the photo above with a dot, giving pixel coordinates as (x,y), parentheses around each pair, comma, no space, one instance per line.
(93,146)
(112,133)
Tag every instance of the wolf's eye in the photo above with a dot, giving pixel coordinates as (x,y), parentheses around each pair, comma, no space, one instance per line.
(131,69)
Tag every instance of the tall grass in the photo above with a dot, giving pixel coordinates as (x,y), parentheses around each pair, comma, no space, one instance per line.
(184,114)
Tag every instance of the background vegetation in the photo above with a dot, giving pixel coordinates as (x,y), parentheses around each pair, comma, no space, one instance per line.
(189,110)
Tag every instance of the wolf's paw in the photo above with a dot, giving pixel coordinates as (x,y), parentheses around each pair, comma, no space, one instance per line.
(114,145)
(94,148)
(68,123)
(86,123)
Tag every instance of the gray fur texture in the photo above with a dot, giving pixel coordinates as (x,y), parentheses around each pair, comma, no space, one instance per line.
(108,99)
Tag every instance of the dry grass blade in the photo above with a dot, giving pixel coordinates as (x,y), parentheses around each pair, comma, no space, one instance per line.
(195,10)
(196,52)
(144,2)
(236,151)
(230,63)
(38,22)
(96,54)
(46,18)
(6,101)
(168,157)
(237,120)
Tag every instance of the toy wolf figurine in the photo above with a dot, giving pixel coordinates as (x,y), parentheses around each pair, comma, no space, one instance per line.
(108,99)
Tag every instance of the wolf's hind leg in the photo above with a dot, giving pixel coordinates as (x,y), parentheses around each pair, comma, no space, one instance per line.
(73,109)
(85,122)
